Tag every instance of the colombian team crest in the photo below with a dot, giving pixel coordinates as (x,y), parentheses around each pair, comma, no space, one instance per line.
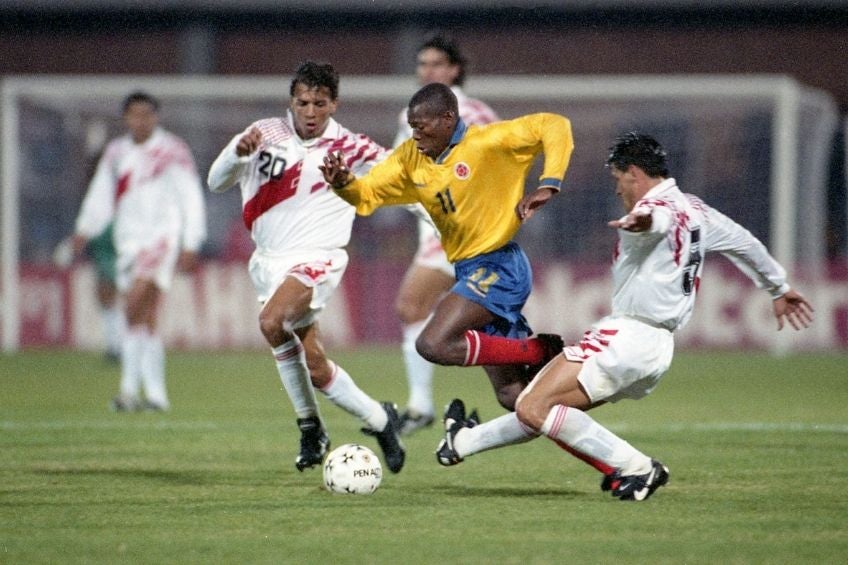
(462,170)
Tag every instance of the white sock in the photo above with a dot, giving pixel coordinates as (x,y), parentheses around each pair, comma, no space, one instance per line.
(419,372)
(114,326)
(291,364)
(344,393)
(132,350)
(580,432)
(503,430)
(153,370)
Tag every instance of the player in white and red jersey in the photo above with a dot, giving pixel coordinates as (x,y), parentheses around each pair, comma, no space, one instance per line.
(145,184)
(300,229)
(430,274)
(657,266)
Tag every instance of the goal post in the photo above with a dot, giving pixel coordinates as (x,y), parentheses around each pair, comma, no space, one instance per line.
(755,145)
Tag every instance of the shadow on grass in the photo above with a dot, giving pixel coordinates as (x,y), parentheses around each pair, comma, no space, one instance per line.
(509,491)
(189,478)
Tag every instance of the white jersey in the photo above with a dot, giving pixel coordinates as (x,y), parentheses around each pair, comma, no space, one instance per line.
(150,190)
(286,204)
(656,273)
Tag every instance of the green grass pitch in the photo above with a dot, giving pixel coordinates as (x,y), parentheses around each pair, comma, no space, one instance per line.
(757,447)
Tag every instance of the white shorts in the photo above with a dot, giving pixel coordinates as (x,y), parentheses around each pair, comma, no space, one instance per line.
(156,262)
(320,270)
(622,358)
(430,253)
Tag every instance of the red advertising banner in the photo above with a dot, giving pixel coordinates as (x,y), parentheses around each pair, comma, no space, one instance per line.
(217,309)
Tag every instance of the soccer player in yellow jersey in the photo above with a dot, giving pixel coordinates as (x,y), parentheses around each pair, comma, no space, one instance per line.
(470,180)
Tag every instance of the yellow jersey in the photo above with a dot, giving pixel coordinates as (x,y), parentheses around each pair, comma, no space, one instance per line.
(472,189)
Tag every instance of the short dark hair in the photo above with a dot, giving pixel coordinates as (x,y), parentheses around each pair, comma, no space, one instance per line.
(437,97)
(451,50)
(139,96)
(641,150)
(316,75)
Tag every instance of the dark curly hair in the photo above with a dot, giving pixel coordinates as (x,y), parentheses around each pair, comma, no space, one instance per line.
(452,51)
(316,75)
(641,150)
(140,97)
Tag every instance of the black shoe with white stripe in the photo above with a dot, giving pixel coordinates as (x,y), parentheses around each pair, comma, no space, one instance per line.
(389,439)
(454,420)
(314,443)
(639,487)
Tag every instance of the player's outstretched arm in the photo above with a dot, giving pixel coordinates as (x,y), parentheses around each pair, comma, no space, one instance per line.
(636,221)
(794,308)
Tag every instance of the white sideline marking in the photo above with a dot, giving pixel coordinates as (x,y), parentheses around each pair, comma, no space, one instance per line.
(61,425)
(739,427)
(203,426)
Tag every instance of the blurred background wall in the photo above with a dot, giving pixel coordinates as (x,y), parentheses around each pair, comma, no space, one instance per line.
(805,39)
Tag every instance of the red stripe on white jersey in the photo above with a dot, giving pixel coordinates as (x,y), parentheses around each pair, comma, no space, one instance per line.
(593,342)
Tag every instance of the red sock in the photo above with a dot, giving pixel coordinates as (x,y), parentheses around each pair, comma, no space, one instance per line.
(484,349)
(599,465)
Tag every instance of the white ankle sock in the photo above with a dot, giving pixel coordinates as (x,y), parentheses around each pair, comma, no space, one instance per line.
(153,370)
(291,364)
(132,350)
(114,327)
(419,371)
(503,430)
(344,393)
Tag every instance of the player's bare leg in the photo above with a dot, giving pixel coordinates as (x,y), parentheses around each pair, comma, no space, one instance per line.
(555,404)
(507,381)
(303,366)
(289,303)
(443,340)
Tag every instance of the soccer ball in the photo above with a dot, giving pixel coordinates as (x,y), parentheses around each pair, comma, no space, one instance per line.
(352,469)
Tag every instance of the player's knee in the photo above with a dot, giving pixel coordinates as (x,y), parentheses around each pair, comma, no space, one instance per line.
(430,349)
(529,412)
(411,309)
(272,328)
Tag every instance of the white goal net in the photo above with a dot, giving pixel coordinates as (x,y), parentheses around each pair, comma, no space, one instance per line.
(757,147)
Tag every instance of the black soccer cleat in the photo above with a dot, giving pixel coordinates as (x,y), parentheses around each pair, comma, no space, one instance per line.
(454,420)
(553,345)
(639,487)
(389,439)
(314,443)
(610,482)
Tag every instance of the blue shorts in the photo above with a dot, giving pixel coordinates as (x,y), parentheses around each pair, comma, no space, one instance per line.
(500,282)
